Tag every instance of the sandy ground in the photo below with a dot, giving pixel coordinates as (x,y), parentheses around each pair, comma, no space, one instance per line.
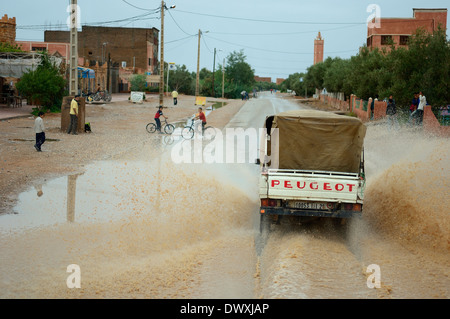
(118,128)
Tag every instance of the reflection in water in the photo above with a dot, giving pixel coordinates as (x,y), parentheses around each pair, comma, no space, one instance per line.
(39,191)
(71,191)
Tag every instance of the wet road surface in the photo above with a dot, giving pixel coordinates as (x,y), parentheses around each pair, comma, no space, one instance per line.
(150,228)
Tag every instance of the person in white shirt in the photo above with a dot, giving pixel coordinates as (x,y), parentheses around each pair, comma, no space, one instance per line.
(422,103)
(39,130)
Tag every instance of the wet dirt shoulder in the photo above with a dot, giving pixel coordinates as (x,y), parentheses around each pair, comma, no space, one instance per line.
(118,129)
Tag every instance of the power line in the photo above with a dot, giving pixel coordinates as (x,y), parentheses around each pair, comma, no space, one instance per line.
(144,9)
(267,21)
(282,33)
(177,23)
(259,49)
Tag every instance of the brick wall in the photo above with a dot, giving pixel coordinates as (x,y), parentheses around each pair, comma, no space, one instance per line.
(8,29)
(431,124)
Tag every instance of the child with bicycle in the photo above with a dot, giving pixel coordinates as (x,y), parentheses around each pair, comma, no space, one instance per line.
(158,114)
(201,116)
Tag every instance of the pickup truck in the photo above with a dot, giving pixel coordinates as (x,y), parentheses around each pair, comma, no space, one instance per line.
(312,166)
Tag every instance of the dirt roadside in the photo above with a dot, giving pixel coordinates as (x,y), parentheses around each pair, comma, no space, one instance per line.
(118,128)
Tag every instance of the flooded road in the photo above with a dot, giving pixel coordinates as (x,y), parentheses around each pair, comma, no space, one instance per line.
(151,228)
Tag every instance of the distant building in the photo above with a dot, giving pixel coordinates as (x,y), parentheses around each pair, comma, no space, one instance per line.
(8,29)
(279,81)
(263,79)
(399,30)
(58,49)
(132,50)
(318,49)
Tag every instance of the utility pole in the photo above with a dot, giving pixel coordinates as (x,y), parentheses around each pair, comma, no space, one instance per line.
(161,65)
(223,78)
(108,72)
(73,75)
(214,71)
(198,65)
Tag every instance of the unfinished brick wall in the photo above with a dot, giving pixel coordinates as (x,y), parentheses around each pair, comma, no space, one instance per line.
(8,29)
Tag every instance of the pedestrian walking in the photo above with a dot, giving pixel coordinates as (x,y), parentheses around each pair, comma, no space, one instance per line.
(391,113)
(413,108)
(74,116)
(40,131)
(175,97)
(422,103)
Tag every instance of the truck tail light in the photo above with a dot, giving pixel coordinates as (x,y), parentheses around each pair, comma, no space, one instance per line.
(354,207)
(269,202)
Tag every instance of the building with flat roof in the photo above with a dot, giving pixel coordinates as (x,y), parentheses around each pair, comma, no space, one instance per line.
(280,80)
(132,50)
(397,31)
(263,79)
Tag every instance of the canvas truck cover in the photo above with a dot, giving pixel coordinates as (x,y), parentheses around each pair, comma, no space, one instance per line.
(315,140)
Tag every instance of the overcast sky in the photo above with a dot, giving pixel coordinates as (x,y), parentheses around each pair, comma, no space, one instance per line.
(277,36)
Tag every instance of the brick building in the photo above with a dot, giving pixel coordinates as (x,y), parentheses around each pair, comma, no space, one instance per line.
(59,49)
(398,30)
(263,79)
(8,29)
(318,49)
(132,50)
(280,80)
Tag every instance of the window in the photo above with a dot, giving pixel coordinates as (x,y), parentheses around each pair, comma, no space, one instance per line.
(369,42)
(38,49)
(149,61)
(386,39)
(404,39)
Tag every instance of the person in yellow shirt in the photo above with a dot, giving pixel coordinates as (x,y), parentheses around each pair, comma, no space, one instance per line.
(175,97)
(74,116)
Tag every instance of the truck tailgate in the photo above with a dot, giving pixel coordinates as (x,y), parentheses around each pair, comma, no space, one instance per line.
(311,186)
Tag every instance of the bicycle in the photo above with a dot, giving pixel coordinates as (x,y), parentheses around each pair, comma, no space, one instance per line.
(102,95)
(168,128)
(188,131)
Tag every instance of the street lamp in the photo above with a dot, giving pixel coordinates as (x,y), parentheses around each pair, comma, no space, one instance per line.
(198,64)
(161,65)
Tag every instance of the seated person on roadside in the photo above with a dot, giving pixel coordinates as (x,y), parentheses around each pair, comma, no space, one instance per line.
(201,116)
(158,114)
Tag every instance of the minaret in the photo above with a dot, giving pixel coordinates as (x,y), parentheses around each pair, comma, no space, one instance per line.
(318,49)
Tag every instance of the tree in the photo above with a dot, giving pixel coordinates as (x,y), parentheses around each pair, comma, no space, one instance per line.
(44,86)
(138,82)
(181,80)
(239,75)
(8,47)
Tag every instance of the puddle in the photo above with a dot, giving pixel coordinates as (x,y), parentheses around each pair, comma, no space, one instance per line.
(94,196)
(111,191)
(216,106)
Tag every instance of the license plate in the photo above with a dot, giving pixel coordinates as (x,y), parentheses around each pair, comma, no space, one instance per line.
(308,205)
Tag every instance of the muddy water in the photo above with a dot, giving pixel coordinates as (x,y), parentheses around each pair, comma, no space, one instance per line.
(154,229)
(404,230)
(138,229)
